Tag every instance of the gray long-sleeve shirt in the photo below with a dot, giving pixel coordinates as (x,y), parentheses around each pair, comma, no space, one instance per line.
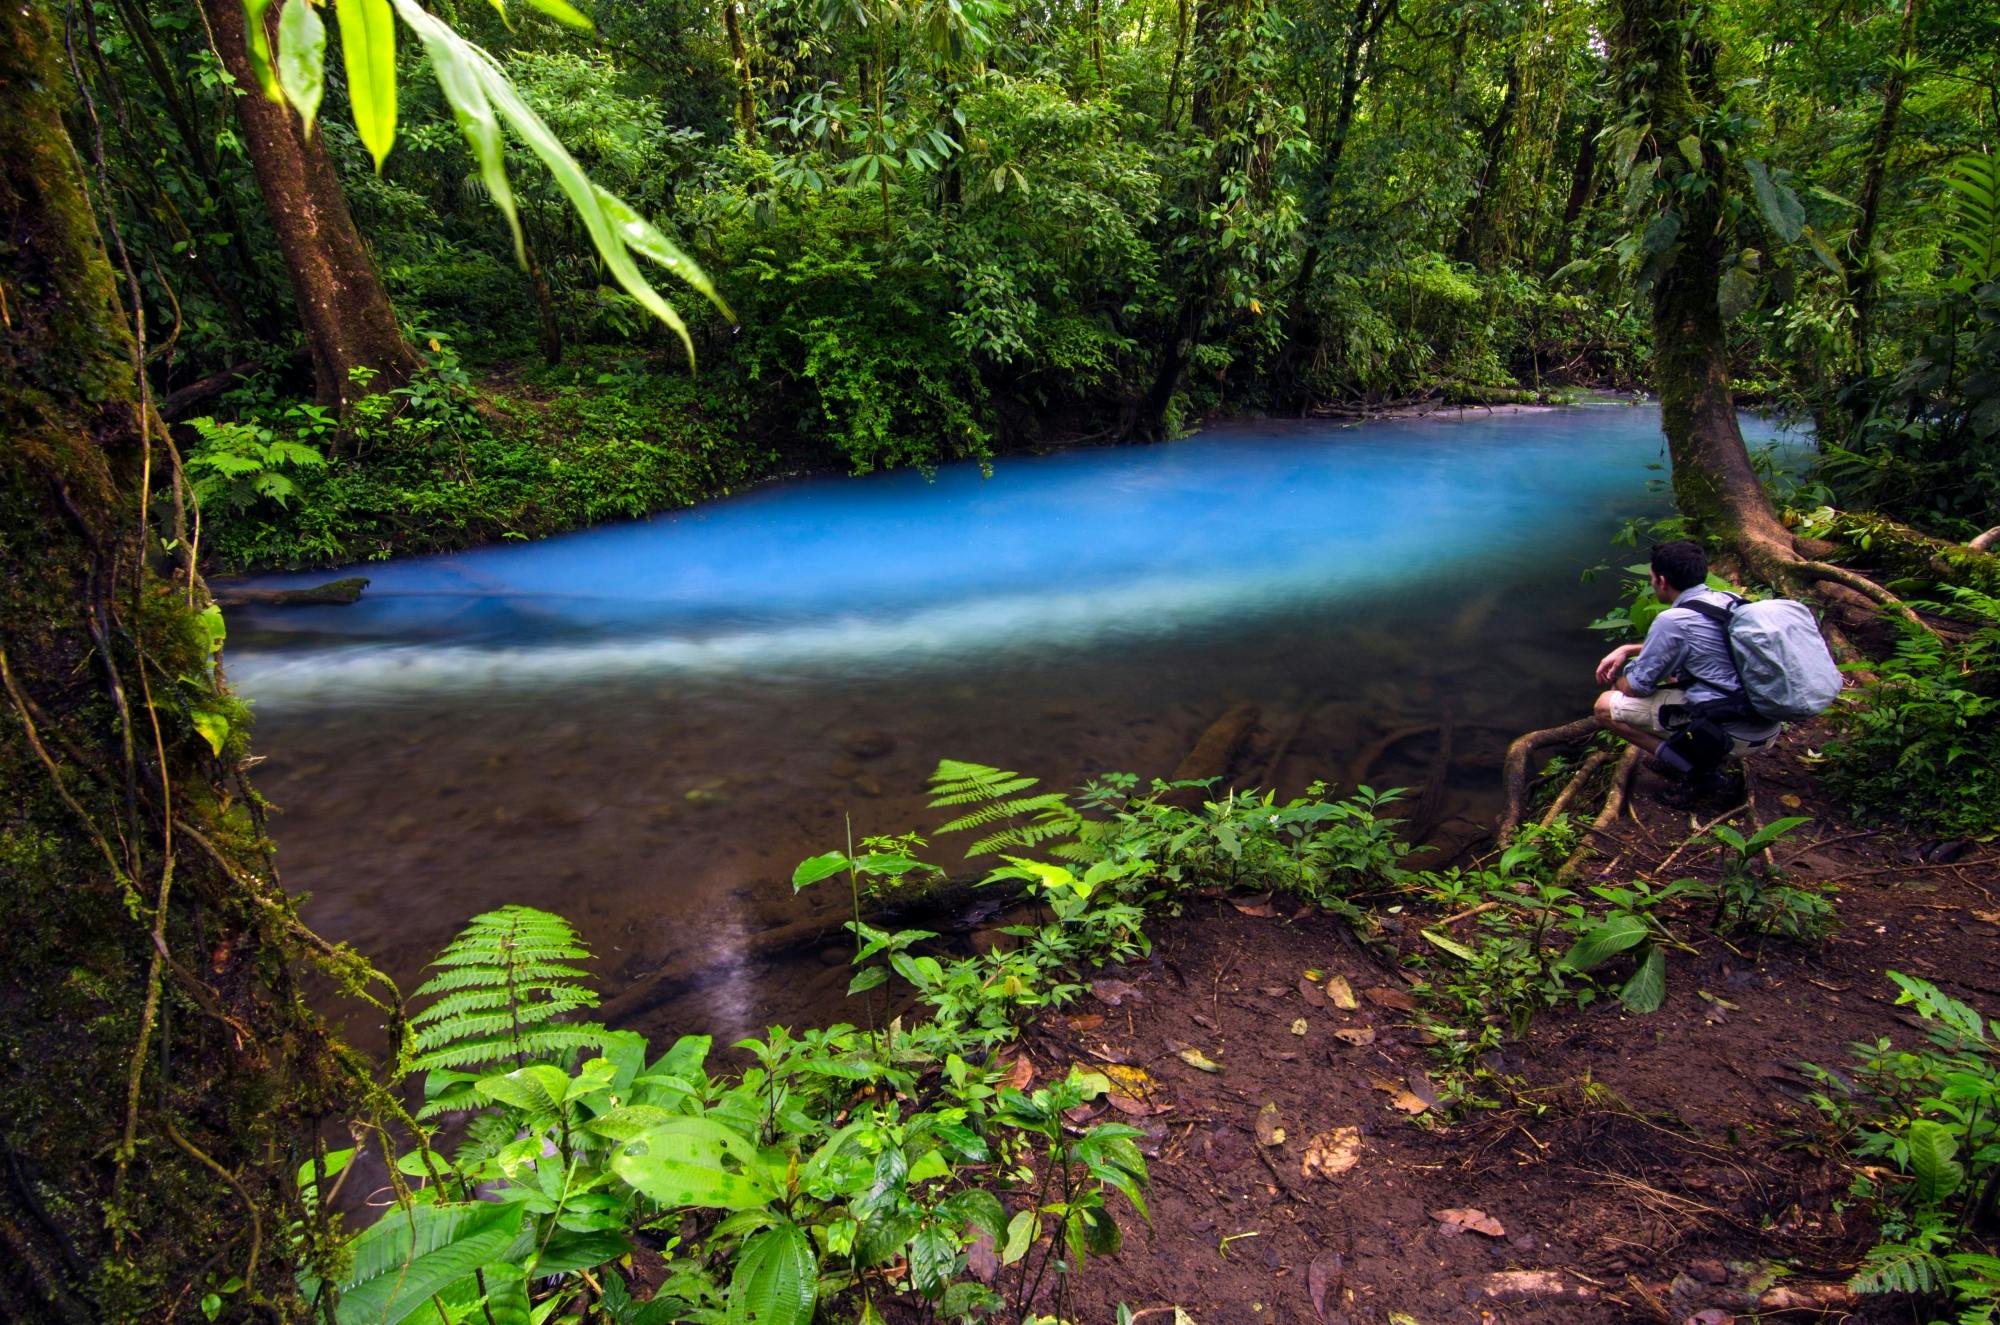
(1687,646)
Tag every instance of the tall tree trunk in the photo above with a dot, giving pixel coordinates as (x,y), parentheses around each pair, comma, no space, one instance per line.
(1861,274)
(739,58)
(348,320)
(1467,247)
(1715,484)
(1582,186)
(160,1071)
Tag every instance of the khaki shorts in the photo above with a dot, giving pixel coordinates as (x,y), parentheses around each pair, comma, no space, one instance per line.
(1643,712)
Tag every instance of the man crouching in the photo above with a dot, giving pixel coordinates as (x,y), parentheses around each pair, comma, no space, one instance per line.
(1677,696)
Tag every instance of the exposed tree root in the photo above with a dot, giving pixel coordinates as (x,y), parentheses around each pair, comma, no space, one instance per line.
(1516,767)
(1986,542)
(1598,759)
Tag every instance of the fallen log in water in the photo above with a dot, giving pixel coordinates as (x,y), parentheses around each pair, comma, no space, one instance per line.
(334,593)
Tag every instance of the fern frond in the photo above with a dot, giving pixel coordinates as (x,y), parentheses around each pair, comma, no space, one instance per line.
(1895,1267)
(958,783)
(502,987)
(1005,809)
(1972,227)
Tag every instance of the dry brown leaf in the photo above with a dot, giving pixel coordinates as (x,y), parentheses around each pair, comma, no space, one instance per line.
(1406,1101)
(1390,998)
(1331,1154)
(1299,1026)
(1356,1035)
(1270,1131)
(1341,992)
(1136,1108)
(1420,1085)
(1323,1276)
(1085,1021)
(1255,906)
(1467,1220)
(1113,992)
(1314,996)
(1020,1073)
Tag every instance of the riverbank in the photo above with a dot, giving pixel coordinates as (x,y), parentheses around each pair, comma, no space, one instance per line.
(1616,1167)
(524,453)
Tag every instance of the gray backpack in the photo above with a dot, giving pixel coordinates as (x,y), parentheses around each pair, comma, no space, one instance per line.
(1782,663)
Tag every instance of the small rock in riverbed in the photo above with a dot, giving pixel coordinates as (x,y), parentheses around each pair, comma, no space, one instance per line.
(869,744)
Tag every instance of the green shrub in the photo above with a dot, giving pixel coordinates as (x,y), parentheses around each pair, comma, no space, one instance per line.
(1922,745)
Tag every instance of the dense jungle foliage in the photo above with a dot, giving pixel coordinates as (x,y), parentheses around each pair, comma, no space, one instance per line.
(947,227)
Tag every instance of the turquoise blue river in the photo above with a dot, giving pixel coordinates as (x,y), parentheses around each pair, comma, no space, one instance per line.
(646,726)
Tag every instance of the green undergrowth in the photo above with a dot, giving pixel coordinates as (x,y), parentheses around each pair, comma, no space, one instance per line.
(914,1157)
(1929,1120)
(439,464)
(855,1164)
(1921,744)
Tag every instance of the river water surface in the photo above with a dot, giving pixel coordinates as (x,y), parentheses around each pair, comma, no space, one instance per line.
(644,727)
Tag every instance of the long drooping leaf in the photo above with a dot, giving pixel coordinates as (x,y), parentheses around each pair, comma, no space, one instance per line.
(302,58)
(368,51)
(776,1280)
(257,39)
(1932,1163)
(617,232)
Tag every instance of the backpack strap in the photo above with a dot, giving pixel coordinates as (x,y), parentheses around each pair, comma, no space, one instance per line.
(1719,615)
(1735,706)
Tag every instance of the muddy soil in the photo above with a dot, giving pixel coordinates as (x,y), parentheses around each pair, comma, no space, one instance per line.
(1644,1168)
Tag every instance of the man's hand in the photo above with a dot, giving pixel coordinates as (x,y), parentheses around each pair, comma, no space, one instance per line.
(1607,670)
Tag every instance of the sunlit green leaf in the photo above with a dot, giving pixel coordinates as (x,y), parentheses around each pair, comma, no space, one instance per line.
(368,52)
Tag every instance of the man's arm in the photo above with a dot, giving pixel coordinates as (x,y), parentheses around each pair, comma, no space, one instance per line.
(1607,670)
(1658,660)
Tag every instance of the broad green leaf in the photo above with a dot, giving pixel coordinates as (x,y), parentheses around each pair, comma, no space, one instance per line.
(302,60)
(776,1280)
(506,1288)
(1780,207)
(1691,150)
(867,980)
(1021,1230)
(562,12)
(368,52)
(1661,232)
(538,1088)
(407,1257)
(1932,1147)
(1598,945)
(813,869)
(213,726)
(257,38)
(695,1161)
(1647,988)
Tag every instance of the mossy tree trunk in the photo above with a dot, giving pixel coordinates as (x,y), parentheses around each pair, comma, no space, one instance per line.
(1662,50)
(343,308)
(162,1076)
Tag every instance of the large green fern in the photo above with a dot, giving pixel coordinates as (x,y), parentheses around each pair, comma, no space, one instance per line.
(1026,821)
(503,989)
(1972,227)
(1898,1267)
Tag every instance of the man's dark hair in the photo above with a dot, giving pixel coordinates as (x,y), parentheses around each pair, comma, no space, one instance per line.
(1683,564)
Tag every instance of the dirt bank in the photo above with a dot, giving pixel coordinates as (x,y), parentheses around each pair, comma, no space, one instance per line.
(1645,1168)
